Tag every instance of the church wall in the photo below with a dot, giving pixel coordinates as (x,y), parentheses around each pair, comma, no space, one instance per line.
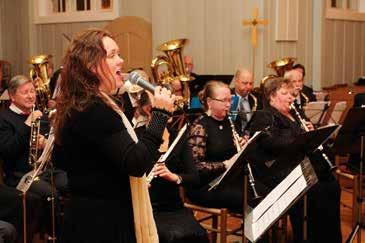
(20,38)
(343,52)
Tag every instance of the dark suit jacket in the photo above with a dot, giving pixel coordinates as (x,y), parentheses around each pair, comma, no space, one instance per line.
(359,99)
(306,95)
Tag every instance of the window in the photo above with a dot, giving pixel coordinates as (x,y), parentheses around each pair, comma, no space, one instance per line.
(346,10)
(63,11)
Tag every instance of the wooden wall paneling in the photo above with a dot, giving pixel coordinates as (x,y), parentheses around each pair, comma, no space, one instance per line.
(287,12)
(356,51)
(347,61)
(362,49)
(213,41)
(338,52)
(195,17)
(2,21)
(327,60)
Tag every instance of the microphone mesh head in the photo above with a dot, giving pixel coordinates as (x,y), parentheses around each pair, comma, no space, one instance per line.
(133,77)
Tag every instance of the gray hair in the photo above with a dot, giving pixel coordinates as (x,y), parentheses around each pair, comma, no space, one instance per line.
(17,81)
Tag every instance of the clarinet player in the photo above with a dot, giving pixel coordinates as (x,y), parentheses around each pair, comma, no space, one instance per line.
(284,127)
(96,145)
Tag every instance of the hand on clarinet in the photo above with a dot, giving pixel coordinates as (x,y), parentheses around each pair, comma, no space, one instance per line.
(309,125)
(160,170)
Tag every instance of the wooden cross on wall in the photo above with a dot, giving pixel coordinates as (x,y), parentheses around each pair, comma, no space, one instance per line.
(253,23)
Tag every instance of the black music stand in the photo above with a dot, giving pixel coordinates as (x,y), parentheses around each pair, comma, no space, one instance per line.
(303,144)
(350,139)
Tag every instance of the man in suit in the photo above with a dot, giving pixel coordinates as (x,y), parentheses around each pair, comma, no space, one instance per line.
(306,90)
(303,94)
(355,158)
(244,101)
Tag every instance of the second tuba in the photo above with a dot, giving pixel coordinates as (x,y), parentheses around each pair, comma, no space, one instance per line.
(39,75)
(169,67)
(282,65)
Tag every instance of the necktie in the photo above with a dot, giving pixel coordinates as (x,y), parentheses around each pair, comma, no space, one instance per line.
(245,108)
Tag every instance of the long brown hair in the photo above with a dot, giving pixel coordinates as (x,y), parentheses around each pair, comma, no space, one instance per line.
(79,83)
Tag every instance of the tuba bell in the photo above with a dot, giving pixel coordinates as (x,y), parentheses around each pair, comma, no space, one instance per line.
(171,67)
(39,75)
(282,65)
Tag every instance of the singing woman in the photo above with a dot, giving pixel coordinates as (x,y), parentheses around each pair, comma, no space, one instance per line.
(98,148)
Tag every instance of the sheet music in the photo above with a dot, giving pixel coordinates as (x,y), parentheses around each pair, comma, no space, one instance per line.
(172,146)
(315,110)
(217,180)
(279,200)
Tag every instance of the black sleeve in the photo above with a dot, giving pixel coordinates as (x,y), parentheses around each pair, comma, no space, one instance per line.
(13,141)
(275,139)
(104,128)
(197,141)
(189,173)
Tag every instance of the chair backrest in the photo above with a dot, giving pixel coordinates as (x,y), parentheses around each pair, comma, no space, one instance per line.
(337,112)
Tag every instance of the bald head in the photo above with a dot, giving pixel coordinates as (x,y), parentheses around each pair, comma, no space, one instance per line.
(243,82)
(296,79)
(189,65)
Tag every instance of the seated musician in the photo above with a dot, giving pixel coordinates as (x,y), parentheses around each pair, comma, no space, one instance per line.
(211,139)
(283,127)
(245,102)
(15,135)
(303,94)
(174,222)
(15,128)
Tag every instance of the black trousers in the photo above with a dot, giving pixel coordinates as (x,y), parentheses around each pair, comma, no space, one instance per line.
(11,210)
(323,210)
(7,232)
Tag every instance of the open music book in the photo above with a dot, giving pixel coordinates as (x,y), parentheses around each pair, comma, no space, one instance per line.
(235,158)
(279,200)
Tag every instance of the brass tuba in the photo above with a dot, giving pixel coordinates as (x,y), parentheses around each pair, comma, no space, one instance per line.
(39,74)
(282,65)
(174,67)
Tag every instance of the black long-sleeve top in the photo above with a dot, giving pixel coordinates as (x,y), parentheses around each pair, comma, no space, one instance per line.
(212,143)
(99,155)
(164,194)
(274,157)
(14,141)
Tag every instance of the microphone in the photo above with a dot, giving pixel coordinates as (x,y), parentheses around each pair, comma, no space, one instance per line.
(135,78)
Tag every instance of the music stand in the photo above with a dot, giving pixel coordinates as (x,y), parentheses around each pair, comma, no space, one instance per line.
(316,110)
(303,144)
(350,139)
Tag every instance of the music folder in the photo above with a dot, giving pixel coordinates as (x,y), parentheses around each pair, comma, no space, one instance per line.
(279,200)
(238,163)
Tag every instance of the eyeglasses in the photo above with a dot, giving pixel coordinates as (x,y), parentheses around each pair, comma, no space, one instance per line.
(222,100)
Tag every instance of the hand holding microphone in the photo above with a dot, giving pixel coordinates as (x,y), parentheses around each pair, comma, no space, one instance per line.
(161,98)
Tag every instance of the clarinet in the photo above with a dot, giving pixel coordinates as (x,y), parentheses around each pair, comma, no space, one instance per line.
(251,178)
(304,126)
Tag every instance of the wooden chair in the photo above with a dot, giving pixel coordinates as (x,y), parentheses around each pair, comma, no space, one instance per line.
(218,218)
(349,183)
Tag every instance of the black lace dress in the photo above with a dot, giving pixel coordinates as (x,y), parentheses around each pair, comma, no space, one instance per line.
(212,143)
